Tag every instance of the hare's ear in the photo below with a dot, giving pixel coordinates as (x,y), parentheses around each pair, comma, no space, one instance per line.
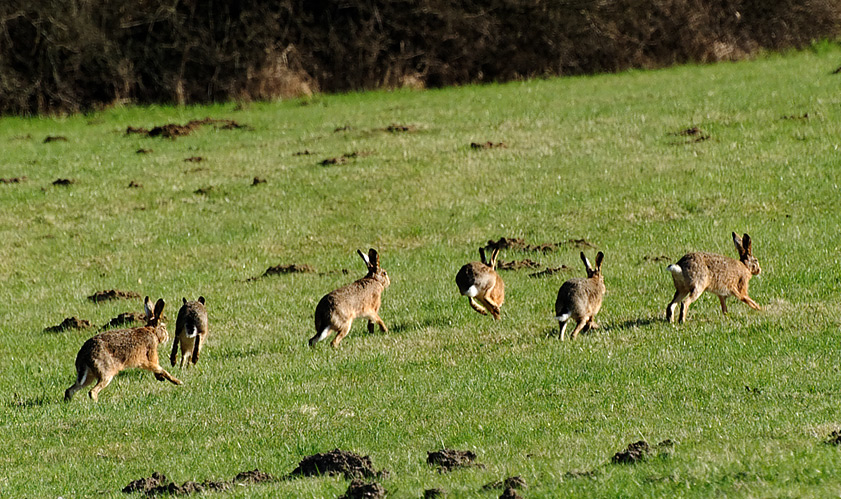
(746,244)
(364,258)
(482,255)
(738,242)
(147,307)
(599,258)
(495,253)
(201,300)
(183,300)
(374,258)
(159,308)
(586,262)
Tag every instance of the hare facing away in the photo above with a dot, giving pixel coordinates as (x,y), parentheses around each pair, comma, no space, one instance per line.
(483,287)
(581,299)
(190,331)
(697,272)
(108,353)
(361,298)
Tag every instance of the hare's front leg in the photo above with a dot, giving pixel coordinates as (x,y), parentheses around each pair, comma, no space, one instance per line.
(752,304)
(161,375)
(476,306)
(723,299)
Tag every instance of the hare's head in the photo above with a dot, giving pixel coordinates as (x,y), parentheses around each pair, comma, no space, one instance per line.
(492,262)
(154,318)
(745,253)
(372,261)
(593,272)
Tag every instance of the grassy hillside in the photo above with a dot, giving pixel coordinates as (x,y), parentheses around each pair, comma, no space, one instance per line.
(747,400)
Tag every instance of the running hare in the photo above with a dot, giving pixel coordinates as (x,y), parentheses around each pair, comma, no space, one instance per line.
(190,331)
(479,282)
(361,298)
(581,298)
(108,353)
(697,272)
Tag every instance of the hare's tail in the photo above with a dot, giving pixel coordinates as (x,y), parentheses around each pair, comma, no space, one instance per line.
(192,331)
(471,291)
(677,273)
(563,317)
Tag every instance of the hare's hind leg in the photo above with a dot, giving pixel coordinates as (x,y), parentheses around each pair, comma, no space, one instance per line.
(670,308)
(582,323)
(343,331)
(752,304)
(83,379)
(492,307)
(162,375)
(563,326)
(104,380)
(694,294)
(174,355)
(476,306)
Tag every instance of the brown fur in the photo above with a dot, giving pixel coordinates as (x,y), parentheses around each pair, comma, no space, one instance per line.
(106,354)
(698,272)
(481,278)
(192,317)
(581,299)
(361,298)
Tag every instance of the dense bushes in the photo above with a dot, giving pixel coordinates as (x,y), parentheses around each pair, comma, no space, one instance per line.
(69,55)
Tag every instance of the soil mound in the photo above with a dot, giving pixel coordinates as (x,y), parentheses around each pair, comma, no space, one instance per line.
(112,294)
(449,459)
(488,145)
(292,268)
(145,484)
(336,462)
(69,323)
(834,438)
(12,180)
(173,130)
(512,482)
(518,264)
(126,319)
(359,489)
(157,484)
(510,493)
(635,452)
(253,476)
(550,271)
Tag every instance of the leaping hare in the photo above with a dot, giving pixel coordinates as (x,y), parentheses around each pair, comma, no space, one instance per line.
(581,298)
(361,298)
(108,353)
(697,272)
(190,331)
(479,282)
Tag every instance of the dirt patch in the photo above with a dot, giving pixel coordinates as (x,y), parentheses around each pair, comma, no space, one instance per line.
(510,493)
(194,159)
(834,438)
(157,484)
(434,493)
(69,323)
(345,128)
(113,294)
(550,271)
(527,263)
(513,482)
(144,151)
(292,268)
(204,191)
(359,489)
(449,459)
(520,244)
(253,476)
(635,452)
(258,181)
(337,462)
(173,130)
(63,181)
(305,152)
(488,145)
(333,161)
(12,180)
(55,138)
(804,116)
(694,134)
(126,319)
(655,259)
(134,185)
(395,128)
(580,474)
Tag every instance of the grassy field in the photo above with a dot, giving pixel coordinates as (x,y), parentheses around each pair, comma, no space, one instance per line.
(748,401)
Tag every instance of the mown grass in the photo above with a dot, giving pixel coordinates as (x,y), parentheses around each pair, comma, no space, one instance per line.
(748,400)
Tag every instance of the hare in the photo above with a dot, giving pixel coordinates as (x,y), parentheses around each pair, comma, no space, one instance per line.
(581,299)
(108,353)
(479,282)
(361,298)
(190,331)
(697,272)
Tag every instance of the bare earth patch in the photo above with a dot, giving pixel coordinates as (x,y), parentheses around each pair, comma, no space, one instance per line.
(63,181)
(512,482)
(488,145)
(510,493)
(54,138)
(360,489)
(449,459)
(635,452)
(337,462)
(69,323)
(694,134)
(126,319)
(173,130)
(157,484)
(518,264)
(550,271)
(12,180)
(519,244)
(113,294)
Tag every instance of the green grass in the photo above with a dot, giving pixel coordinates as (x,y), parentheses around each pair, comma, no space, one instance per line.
(748,399)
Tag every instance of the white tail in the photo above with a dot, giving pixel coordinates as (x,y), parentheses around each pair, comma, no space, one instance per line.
(563,317)
(471,291)
(674,268)
(192,331)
